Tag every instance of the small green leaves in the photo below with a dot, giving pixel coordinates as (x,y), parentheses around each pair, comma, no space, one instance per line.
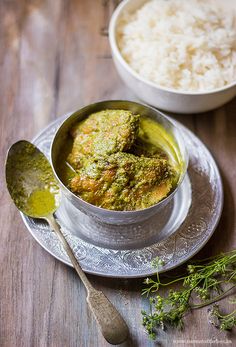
(220,321)
(157,263)
(203,282)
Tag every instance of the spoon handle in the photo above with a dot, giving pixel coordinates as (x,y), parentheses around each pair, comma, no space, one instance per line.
(112,325)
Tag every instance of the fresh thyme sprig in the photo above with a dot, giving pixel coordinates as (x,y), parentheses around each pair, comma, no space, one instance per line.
(206,282)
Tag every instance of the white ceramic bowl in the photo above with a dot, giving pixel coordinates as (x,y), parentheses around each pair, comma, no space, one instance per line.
(161,97)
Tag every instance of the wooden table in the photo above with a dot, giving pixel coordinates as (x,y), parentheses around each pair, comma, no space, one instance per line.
(55,58)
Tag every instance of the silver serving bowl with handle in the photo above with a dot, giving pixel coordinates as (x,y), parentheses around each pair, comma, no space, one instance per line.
(104,215)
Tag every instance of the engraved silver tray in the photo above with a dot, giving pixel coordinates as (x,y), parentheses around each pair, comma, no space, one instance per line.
(185,227)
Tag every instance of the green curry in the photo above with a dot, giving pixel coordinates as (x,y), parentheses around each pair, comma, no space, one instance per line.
(121,161)
(31,182)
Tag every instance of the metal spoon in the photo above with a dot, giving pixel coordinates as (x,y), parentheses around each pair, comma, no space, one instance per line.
(36,193)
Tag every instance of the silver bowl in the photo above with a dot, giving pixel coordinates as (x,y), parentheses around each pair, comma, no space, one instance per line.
(104,215)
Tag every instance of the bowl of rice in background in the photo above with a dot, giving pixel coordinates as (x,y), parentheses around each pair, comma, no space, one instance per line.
(177,55)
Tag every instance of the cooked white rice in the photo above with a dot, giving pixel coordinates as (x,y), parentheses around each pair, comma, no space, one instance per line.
(188,45)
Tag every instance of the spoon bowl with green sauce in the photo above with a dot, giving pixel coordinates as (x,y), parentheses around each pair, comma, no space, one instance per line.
(36,193)
(31,182)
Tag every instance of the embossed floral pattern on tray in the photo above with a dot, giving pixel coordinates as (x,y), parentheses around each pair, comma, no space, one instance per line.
(202,218)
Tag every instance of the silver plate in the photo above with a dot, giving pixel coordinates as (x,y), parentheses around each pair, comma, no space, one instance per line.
(189,222)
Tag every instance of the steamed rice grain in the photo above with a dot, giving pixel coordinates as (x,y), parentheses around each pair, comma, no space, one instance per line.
(188,45)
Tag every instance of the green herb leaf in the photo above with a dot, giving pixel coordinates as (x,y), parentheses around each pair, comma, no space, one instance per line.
(206,282)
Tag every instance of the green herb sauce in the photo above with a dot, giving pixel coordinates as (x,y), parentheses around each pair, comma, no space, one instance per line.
(120,161)
(31,182)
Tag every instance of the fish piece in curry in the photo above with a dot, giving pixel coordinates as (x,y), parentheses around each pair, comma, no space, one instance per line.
(123,181)
(116,167)
(101,134)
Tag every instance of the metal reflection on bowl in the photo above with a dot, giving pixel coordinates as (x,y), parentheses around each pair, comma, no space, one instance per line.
(110,216)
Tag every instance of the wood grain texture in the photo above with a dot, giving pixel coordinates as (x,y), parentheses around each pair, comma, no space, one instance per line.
(54,58)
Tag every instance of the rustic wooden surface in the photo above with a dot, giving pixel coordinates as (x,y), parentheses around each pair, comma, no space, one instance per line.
(54,59)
